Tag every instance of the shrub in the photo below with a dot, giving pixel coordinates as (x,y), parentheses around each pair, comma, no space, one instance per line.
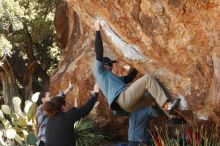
(193,136)
(86,133)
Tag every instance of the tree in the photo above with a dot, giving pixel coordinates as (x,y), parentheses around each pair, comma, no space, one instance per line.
(28,51)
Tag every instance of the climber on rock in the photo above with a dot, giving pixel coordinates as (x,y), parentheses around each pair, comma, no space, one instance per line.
(121,96)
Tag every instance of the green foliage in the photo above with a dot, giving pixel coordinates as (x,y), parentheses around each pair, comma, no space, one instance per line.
(86,134)
(28,24)
(17,128)
(5,46)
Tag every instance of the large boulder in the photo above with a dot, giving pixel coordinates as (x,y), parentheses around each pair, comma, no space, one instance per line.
(175,40)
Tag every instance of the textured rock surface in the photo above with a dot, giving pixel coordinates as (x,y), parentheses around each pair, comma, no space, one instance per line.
(175,40)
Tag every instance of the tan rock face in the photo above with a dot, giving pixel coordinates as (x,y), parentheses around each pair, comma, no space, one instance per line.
(178,41)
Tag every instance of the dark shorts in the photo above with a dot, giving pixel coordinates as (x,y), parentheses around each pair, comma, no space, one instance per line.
(41,143)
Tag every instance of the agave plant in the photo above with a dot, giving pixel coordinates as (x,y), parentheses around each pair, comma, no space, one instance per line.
(86,133)
(18,126)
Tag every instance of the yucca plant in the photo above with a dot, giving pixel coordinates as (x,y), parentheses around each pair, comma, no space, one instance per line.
(18,126)
(86,133)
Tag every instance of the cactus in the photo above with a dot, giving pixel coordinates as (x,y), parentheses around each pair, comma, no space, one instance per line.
(17,126)
(31,139)
(1,115)
(17,105)
(6,109)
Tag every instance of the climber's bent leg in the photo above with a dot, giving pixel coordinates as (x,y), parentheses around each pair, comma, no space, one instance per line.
(133,94)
